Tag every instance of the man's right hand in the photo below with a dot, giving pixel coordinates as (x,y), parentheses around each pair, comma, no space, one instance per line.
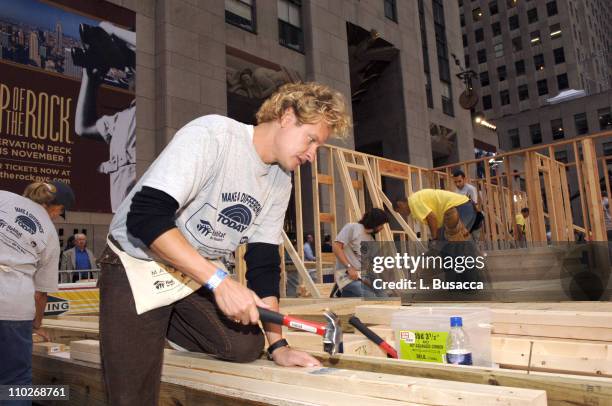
(352,273)
(238,302)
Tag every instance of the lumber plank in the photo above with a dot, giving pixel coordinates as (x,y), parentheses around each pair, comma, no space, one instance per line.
(383,386)
(569,356)
(47,348)
(581,333)
(553,317)
(271,393)
(592,321)
(376,385)
(562,390)
(180,386)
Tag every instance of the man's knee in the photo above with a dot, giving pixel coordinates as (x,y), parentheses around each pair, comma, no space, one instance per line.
(245,349)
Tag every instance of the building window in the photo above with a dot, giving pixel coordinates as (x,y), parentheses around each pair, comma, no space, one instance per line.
(499,49)
(476,14)
(607,148)
(605,119)
(465,40)
(536,133)
(532,15)
(555,31)
(519,66)
(462,20)
(481,55)
(425,50)
(517,44)
(513,22)
(447,101)
(467,61)
(391,10)
(511,3)
(442,52)
(551,8)
(514,137)
(561,156)
(493,9)
(484,78)
(580,122)
(523,92)
(290,32)
(496,28)
(538,61)
(535,38)
(429,92)
(486,102)
(240,13)
(559,55)
(542,87)
(479,35)
(562,81)
(556,128)
(502,73)
(504,97)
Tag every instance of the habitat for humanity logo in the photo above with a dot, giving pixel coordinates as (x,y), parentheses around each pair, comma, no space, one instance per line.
(237,217)
(207,230)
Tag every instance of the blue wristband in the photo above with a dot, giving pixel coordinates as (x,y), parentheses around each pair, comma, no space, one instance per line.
(216,280)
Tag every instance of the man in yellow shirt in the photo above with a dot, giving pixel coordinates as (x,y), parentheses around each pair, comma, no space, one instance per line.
(450,216)
(520,221)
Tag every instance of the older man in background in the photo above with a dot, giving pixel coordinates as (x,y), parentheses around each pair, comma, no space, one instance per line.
(79,258)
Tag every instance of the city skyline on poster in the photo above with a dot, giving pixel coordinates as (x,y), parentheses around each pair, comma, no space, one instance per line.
(41,35)
(67,101)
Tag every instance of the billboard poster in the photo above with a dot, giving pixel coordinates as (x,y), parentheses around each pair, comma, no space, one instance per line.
(67,100)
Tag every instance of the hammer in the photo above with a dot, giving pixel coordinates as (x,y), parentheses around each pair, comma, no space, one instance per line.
(331,331)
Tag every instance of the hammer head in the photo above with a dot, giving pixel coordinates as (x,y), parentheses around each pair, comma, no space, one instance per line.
(332,339)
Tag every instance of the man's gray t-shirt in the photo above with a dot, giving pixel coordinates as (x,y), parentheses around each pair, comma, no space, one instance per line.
(351,235)
(469,191)
(226,194)
(29,255)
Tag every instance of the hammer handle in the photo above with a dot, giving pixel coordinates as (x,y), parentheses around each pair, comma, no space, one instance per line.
(375,338)
(269,316)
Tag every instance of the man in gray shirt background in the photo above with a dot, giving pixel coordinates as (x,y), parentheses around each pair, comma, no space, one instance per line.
(464,188)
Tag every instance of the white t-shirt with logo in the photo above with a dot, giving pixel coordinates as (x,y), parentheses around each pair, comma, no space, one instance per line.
(227,195)
(29,255)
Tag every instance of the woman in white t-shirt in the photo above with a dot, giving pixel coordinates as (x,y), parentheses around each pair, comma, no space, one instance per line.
(347,248)
(29,257)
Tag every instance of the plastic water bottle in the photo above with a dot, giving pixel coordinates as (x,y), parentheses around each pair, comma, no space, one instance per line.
(457,344)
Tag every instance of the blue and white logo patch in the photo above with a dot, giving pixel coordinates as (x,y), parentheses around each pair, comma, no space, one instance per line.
(237,217)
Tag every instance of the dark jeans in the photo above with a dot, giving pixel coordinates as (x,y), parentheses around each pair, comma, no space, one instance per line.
(15,355)
(132,345)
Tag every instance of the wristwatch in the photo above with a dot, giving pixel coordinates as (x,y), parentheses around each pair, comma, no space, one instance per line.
(280,343)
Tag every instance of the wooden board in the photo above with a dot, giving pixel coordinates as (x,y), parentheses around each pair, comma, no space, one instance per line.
(379,386)
(568,356)
(562,390)
(181,386)
(47,348)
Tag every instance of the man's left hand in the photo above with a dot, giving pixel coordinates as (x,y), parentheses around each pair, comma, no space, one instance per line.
(289,357)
